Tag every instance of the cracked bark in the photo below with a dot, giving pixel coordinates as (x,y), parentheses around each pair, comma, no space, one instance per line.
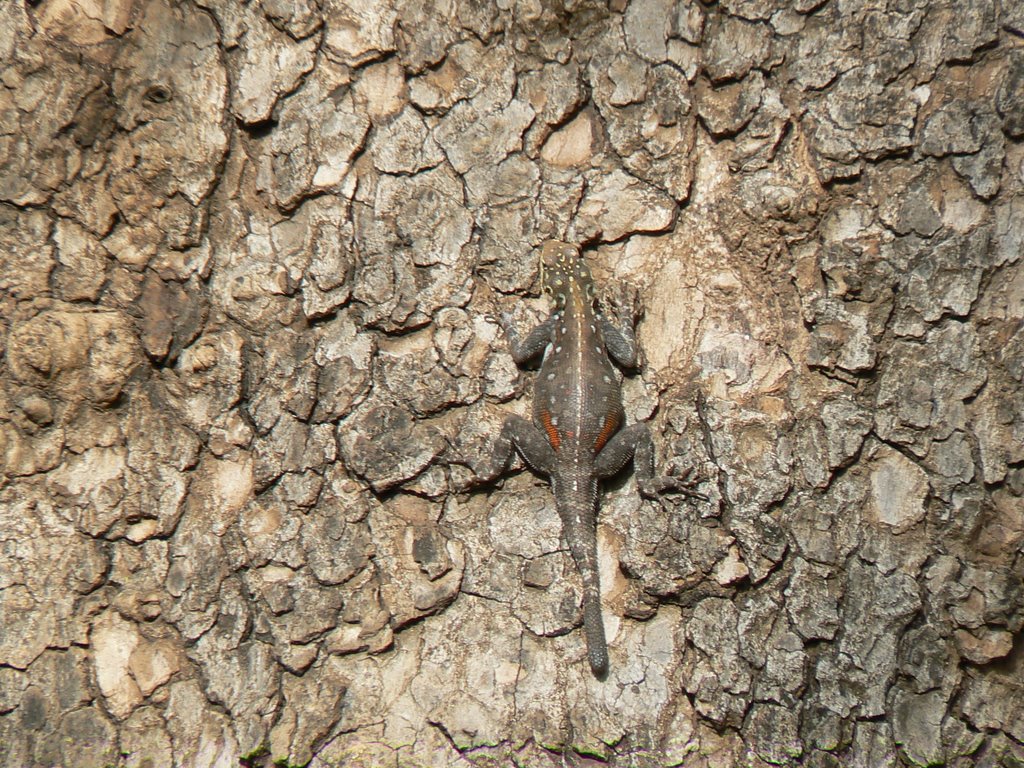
(250,257)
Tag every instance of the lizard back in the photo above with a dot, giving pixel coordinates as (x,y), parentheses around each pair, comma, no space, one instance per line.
(577,398)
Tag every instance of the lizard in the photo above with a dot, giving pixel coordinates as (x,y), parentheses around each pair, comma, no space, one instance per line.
(577,436)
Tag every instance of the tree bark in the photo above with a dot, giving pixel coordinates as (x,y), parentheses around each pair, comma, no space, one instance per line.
(250,260)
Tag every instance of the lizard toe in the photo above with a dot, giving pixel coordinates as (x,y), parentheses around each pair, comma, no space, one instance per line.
(655,487)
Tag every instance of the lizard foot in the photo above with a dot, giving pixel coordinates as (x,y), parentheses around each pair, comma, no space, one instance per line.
(623,300)
(655,487)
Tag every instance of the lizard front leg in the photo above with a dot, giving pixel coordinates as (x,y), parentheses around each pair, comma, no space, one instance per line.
(635,442)
(620,340)
(518,433)
(530,348)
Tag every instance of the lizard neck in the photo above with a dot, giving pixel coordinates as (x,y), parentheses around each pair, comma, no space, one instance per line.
(578,306)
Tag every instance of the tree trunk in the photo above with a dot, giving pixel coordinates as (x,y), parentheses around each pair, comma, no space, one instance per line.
(250,260)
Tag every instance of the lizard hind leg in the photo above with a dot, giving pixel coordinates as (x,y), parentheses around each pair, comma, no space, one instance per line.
(635,442)
(520,435)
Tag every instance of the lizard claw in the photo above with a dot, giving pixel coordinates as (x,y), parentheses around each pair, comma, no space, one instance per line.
(502,319)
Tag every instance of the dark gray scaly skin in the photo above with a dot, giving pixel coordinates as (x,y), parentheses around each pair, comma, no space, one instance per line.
(576,437)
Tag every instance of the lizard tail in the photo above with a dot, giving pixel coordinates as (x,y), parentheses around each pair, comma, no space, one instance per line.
(593,626)
(577,506)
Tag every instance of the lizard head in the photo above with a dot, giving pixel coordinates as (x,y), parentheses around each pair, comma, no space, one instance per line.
(563,271)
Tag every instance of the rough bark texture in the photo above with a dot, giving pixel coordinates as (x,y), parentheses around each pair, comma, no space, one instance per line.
(251,255)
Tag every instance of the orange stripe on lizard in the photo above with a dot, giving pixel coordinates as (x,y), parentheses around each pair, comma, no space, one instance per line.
(553,437)
(611,424)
